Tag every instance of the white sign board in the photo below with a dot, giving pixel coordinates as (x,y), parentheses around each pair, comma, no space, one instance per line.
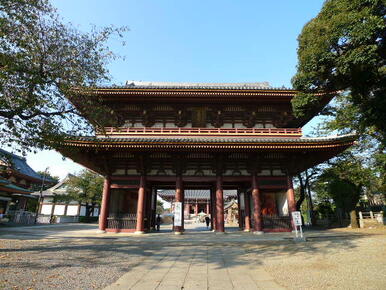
(178,214)
(297,218)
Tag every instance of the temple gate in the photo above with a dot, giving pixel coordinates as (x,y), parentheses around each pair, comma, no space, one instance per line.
(194,136)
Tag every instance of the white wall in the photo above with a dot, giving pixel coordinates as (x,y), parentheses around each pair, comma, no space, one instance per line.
(59,209)
(72,210)
(46,209)
(82,211)
(96,212)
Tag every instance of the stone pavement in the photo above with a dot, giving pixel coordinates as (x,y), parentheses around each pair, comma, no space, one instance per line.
(76,256)
(213,266)
(197,268)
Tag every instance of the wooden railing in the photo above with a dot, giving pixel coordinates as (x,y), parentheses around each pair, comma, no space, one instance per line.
(127,221)
(124,131)
(274,222)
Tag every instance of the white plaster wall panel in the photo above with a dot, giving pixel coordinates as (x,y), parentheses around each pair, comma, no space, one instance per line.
(72,210)
(59,209)
(264,172)
(96,212)
(277,172)
(46,209)
(82,211)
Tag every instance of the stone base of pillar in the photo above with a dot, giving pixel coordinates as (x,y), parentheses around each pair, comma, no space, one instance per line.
(100,231)
(258,232)
(247,230)
(139,233)
(178,233)
(220,233)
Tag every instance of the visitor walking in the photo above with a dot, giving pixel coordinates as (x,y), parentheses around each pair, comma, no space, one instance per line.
(158,222)
(207,220)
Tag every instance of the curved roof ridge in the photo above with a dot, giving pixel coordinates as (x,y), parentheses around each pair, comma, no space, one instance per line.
(150,84)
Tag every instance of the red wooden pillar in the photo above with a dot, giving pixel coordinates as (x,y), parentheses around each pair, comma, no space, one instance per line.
(154,206)
(291,198)
(186,209)
(213,208)
(247,208)
(219,205)
(207,208)
(179,198)
(196,208)
(105,205)
(139,229)
(256,196)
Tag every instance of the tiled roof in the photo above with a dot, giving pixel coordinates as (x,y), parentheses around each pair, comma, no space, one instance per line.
(189,85)
(59,188)
(194,193)
(210,139)
(20,165)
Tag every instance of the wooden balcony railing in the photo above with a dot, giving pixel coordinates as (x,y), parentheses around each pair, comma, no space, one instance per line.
(269,132)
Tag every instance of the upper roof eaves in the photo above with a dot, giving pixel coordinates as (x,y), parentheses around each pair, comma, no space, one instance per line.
(188,85)
(193,86)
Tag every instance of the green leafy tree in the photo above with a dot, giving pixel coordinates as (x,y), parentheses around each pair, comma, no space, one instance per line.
(42,60)
(343,51)
(86,188)
(344,182)
(160,207)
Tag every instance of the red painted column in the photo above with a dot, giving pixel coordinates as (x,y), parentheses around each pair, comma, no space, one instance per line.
(291,198)
(219,205)
(179,198)
(141,206)
(247,208)
(105,205)
(196,208)
(186,209)
(207,208)
(256,196)
(213,208)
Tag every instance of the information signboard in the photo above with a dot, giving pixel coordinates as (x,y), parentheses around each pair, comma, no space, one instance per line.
(178,214)
(297,218)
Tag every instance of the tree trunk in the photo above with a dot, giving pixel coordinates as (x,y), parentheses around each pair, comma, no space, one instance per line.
(87,210)
(339,215)
(353,219)
(310,204)
(302,193)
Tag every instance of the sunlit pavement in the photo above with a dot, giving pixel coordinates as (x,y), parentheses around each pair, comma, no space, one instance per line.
(198,259)
(193,232)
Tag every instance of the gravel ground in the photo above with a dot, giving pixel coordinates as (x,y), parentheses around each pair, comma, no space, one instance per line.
(332,263)
(66,264)
(326,261)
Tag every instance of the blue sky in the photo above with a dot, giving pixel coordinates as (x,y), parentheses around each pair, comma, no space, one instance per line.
(192,41)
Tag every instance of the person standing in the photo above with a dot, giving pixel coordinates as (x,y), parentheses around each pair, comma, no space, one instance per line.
(158,222)
(207,221)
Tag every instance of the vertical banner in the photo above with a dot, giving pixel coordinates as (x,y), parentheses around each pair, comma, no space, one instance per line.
(178,214)
(242,201)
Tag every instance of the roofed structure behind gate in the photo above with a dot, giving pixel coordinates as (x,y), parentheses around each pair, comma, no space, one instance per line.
(217,137)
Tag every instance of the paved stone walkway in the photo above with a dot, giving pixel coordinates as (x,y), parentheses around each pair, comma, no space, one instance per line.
(197,268)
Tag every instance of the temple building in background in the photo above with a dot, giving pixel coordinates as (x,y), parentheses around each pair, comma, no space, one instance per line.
(188,136)
(17,181)
(195,201)
(56,207)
